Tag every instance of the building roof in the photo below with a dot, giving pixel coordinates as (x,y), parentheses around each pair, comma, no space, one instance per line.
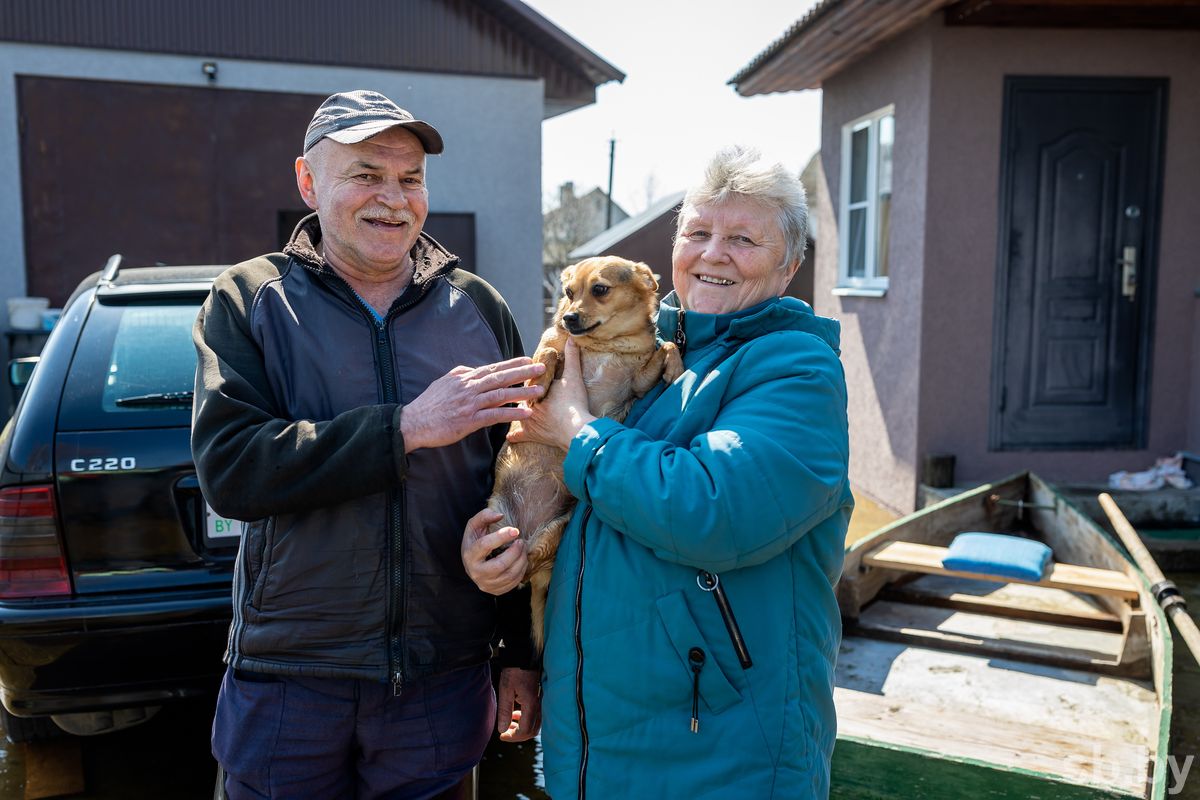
(606,241)
(835,33)
(830,36)
(475,37)
(554,39)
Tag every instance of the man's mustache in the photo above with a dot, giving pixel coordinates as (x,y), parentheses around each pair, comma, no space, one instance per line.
(391,218)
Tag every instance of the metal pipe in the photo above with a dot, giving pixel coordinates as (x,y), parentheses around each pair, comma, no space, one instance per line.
(608,206)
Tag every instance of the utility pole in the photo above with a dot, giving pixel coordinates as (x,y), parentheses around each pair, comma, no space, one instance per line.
(612,155)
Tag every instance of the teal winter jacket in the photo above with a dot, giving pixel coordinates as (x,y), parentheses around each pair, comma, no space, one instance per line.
(737,469)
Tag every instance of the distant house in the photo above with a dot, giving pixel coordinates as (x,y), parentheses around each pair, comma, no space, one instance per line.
(644,237)
(575,219)
(1011,237)
(166,131)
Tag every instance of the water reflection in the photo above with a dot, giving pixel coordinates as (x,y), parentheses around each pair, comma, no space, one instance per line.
(12,769)
(512,771)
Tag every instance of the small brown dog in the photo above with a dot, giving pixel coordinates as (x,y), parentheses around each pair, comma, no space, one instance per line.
(609,306)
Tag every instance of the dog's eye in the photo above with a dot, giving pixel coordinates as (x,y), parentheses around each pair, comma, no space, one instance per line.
(599,290)
(570,295)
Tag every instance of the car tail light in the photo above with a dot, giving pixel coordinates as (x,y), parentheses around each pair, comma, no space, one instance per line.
(31,556)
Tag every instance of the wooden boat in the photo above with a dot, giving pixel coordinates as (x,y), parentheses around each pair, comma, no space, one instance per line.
(952,685)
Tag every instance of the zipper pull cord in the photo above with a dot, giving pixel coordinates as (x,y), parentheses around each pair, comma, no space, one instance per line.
(680,336)
(397,684)
(696,659)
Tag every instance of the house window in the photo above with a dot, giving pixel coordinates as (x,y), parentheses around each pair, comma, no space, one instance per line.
(866,203)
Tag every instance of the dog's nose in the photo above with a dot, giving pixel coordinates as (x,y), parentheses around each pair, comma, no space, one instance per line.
(571,319)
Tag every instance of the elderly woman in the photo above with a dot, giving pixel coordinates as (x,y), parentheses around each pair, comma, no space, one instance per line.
(691,621)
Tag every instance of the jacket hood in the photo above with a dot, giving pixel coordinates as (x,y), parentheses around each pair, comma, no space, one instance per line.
(775,314)
(430,259)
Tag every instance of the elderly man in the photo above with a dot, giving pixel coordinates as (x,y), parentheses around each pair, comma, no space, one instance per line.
(333,415)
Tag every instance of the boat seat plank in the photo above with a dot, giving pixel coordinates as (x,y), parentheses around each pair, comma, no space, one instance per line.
(1021,600)
(914,557)
(988,634)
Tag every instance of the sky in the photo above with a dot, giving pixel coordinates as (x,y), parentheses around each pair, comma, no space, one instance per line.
(674,108)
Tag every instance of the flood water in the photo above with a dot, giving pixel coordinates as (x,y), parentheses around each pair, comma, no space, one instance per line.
(168,759)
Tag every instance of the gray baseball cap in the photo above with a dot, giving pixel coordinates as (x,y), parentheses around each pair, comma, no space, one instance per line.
(352,117)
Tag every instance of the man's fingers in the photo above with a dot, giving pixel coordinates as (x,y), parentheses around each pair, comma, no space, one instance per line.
(509,376)
(483,520)
(531,723)
(490,541)
(505,713)
(510,394)
(507,567)
(522,727)
(493,416)
(509,724)
(499,366)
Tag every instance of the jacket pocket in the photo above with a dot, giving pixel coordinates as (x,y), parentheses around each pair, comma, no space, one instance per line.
(259,537)
(715,689)
(246,727)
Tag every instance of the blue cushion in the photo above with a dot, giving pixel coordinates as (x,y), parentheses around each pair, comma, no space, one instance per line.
(998,554)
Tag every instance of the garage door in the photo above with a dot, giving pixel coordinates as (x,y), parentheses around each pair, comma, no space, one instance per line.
(160,174)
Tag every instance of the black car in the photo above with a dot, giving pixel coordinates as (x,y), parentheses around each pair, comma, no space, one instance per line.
(114,573)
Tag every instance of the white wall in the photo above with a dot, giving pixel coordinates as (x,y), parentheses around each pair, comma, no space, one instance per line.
(492,165)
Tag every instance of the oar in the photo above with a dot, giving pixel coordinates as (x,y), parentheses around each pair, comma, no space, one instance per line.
(1165,591)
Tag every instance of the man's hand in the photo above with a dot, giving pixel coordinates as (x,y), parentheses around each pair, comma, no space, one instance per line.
(466,399)
(522,686)
(502,573)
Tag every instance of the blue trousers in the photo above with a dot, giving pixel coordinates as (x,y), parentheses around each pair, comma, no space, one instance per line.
(315,738)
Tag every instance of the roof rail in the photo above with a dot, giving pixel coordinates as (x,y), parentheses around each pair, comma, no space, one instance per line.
(111,267)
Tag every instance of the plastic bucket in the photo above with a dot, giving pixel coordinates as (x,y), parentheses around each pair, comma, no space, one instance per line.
(25,313)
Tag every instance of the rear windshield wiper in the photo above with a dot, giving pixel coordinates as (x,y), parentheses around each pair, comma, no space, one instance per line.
(157,399)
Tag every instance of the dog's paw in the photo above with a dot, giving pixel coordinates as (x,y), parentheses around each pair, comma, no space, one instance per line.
(672,362)
(549,358)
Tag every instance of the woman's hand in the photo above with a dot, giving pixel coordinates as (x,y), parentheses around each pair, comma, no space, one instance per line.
(562,412)
(504,572)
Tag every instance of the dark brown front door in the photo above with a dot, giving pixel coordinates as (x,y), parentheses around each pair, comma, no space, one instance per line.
(1081,173)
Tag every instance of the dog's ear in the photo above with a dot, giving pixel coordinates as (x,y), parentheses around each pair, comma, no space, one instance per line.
(646,276)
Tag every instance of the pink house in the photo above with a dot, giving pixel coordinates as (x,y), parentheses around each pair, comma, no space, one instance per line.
(1010,218)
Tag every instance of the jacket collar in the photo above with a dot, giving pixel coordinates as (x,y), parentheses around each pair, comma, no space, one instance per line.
(774,314)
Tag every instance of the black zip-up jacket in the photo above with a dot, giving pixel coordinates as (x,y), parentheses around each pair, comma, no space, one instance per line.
(349,563)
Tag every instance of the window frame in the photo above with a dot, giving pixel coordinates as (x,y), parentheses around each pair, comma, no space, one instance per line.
(871,284)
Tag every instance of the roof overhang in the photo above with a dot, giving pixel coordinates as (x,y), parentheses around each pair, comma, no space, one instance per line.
(562,47)
(836,33)
(1077,14)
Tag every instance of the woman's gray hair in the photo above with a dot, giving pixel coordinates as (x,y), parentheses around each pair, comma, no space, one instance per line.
(741,172)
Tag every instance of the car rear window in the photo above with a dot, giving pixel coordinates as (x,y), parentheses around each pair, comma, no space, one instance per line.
(134,367)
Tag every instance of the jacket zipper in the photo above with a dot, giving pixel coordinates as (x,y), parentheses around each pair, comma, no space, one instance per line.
(712,584)
(383,353)
(396,533)
(583,734)
(396,502)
